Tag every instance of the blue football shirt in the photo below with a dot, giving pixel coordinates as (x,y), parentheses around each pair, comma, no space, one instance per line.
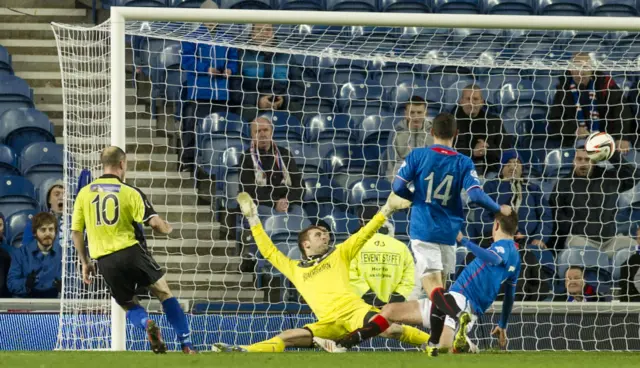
(480,282)
(439,174)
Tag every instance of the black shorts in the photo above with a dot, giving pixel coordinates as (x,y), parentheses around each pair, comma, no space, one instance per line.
(128,269)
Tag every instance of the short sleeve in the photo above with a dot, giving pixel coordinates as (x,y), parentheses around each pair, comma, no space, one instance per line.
(407,171)
(142,209)
(470,179)
(77,219)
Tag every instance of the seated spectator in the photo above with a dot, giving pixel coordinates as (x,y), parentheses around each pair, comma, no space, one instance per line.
(630,275)
(587,101)
(269,173)
(585,203)
(55,205)
(480,134)
(525,197)
(577,288)
(413,131)
(383,271)
(264,76)
(5,259)
(208,69)
(36,268)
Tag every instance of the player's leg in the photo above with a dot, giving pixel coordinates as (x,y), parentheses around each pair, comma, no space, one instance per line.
(428,265)
(299,337)
(438,295)
(364,323)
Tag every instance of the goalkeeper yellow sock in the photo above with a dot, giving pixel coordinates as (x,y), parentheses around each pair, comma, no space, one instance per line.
(273,345)
(413,336)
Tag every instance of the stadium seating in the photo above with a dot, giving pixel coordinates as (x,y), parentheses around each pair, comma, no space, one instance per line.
(307,5)
(368,192)
(15,225)
(458,6)
(16,194)
(42,160)
(160,3)
(405,6)
(619,260)
(559,162)
(245,4)
(8,161)
(286,127)
(564,8)
(5,61)
(186,3)
(14,93)
(341,225)
(23,126)
(613,8)
(285,227)
(216,133)
(510,7)
(317,196)
(352,5)
(593,261)
(328,128)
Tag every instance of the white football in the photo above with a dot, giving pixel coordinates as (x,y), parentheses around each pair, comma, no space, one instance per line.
(600,146)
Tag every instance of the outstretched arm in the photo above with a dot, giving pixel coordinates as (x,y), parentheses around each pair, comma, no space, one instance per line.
(266,247)
(401,189)
(488,256)
(352,246)
(507,304)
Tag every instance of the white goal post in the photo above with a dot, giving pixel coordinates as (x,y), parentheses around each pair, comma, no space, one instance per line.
(117,104)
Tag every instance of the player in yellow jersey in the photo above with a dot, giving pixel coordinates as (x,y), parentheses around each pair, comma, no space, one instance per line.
(322,279)
(112,213)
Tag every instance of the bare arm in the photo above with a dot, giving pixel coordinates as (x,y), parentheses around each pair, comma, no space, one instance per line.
(160,225)
(78,242)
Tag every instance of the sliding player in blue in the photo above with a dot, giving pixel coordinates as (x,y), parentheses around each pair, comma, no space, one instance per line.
(479,284)
(438,174)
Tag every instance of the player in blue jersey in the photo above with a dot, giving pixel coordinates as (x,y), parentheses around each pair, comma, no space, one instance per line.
(479,284)
(438,174)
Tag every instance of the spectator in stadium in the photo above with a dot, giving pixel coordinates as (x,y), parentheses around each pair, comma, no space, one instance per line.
(630,275)
(578,290)
(585,202)
(525,197)
(413,131)
(587,101)
(383,271)
(55,205)
(36,268)
(264,76)
(269,173)
(5,259)
(480,134)
(208,69)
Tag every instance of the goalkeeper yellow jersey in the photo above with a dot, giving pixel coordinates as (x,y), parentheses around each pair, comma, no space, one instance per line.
(323,284)
(384,266)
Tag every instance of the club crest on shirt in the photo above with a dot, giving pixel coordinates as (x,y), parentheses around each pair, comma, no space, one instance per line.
(500,250)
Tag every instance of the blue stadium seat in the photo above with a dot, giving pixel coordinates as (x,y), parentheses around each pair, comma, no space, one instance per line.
(285,126)
(341,225)
(401,225)
(524,100)
(458,6)
(228,198)
(403,92)
(5,61)
(345,159)
(619,260)
(352,5)
(147,3)
(186,3)
(405,6)
(328,128)
(307,157)
(318,195)
(545,258)
(216,133)
(39,161)
(23,126)
(14,93)
(166,75)
(15,224)
(16,194)
(8,161)
(613,8)
(559,162)
(308,5)
(285,227)
(341,71)
(565,8)
(368,192)
(360,98)
(245,4)
(511,7)
(595,263)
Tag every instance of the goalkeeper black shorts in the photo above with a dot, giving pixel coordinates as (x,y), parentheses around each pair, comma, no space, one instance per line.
(128,269)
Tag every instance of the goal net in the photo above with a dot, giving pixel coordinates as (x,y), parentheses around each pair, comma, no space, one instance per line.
(347,103)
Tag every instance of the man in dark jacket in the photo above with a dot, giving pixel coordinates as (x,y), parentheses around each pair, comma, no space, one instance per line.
(585,202)
(578,290)
(269,173)
(480,134)
(587,102)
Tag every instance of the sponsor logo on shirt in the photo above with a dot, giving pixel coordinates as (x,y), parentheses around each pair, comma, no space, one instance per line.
(308,275)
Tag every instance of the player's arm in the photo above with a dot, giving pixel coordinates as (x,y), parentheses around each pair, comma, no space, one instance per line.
(77,229)
(266,247)
(486,255)
(476,194)
(405,175)
(350,248)
(144,212)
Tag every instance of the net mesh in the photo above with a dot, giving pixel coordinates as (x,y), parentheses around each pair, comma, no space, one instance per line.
(337,98)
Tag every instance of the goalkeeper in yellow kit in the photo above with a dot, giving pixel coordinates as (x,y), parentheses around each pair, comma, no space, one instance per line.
(322,279)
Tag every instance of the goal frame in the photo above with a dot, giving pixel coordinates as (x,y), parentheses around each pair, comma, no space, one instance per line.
(119,15)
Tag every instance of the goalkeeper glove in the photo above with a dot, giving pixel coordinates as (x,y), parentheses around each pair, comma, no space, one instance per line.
(248,208)
(394,203)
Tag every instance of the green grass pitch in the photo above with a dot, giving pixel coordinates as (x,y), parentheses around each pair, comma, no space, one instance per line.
(316,360)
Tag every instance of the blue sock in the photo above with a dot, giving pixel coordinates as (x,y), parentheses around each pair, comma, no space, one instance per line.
(178,320)
(138,317)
